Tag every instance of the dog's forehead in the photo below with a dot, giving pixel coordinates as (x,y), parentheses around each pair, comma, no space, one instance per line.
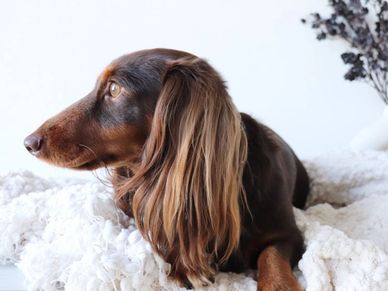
(114,65)
(143,56)
(140,57)
(125,61)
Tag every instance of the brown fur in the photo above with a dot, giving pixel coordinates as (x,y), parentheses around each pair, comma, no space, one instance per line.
(186,191)
(210,188)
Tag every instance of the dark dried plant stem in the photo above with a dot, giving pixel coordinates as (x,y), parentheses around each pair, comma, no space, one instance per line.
(374,80)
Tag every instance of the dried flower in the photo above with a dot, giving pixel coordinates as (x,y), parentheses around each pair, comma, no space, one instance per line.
(368,59)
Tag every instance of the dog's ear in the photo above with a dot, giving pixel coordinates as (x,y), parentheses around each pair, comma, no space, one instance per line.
(187,190)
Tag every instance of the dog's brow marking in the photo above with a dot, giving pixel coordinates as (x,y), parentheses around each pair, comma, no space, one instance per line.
(106,73)
(202,209)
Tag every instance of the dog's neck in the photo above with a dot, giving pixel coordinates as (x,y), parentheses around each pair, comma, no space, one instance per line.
(119,175)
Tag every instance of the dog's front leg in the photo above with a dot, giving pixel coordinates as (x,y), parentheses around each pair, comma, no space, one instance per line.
(274,269)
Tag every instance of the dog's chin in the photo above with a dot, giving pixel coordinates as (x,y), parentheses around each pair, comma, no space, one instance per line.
(88,166)
(83,160)
(109,161)
(84,166)
(79,163)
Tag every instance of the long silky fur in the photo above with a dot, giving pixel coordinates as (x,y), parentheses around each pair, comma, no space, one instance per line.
(187,191)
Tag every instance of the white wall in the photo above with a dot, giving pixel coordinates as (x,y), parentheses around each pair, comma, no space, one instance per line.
(52,51)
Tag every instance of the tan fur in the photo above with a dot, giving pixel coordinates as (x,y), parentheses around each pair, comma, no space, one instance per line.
(108,71)
(188,188)
(177,148)
(275,273)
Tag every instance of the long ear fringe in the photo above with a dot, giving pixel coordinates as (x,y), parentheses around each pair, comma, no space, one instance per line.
(187,190)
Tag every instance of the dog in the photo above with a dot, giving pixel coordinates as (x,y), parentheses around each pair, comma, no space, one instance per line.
(210,189)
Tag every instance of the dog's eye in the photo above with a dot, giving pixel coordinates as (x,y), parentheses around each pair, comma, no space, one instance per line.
(114,89)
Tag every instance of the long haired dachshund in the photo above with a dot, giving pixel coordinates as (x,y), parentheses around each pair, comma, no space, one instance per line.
(210,188)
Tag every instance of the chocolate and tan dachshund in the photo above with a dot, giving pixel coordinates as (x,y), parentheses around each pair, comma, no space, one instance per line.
(211,189)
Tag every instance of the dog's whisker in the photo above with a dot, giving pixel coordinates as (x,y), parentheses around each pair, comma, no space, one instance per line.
(210,188)
(105,182)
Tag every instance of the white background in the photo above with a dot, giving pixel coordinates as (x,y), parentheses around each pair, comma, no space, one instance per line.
(52,51)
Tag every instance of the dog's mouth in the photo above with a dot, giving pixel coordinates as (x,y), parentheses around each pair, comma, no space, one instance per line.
(76,164)
(91,162)
(81,157)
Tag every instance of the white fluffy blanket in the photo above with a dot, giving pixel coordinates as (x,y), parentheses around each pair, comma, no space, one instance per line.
(68,234)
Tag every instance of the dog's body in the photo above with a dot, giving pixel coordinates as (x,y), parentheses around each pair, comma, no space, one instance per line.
(274,179)
(209,188)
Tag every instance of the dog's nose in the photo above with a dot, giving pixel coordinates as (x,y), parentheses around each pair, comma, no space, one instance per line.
(33,143)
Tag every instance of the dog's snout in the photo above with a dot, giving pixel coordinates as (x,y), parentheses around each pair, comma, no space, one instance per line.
(33,143)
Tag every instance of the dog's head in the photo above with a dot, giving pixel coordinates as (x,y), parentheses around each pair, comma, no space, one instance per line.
(167,113)
(110,125)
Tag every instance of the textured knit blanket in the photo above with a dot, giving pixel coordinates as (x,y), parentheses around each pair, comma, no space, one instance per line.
(68,234)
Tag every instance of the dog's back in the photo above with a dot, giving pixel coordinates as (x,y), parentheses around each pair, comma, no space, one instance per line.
(302,186)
